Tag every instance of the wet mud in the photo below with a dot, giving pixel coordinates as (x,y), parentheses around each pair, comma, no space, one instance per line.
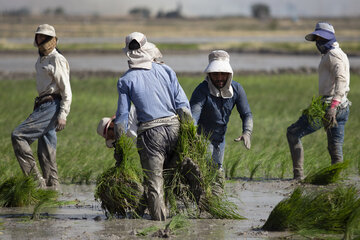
(84,218)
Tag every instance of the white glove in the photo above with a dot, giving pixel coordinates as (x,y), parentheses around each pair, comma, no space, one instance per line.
(246,137)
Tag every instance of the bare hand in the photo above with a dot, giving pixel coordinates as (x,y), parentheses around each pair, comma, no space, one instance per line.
(61,123)
(246,137)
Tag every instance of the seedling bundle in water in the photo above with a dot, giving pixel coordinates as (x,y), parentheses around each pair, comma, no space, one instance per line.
(335,211)
(120,187)
(192,185)
(196,181)
(327,175)
(316,111)
(22,191)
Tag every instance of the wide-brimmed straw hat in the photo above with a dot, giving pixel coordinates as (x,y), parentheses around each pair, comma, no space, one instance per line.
(102,129)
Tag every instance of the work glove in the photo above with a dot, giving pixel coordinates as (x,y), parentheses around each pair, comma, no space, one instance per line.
(246,137)
(61,123)
(184,114)
(330,119)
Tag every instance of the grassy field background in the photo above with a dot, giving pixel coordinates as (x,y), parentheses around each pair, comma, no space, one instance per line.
(275,100)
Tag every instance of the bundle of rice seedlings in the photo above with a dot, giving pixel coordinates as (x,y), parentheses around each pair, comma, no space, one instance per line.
(316,111)
(21,191)
(196,182)
(119,188)
(334,211)
(327,175)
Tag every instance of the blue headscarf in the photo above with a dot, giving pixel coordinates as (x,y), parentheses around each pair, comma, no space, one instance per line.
(325,45)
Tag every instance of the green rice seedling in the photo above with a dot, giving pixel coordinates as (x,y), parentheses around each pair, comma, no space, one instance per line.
(47,198)
(327,175)
(197,171)
(254,169)
(330,210)
(316,111)
(146,231)
(119,189)
(20,191)
(178,222)
(231,168)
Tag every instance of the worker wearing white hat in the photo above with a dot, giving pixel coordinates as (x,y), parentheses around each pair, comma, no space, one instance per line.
(212,103)
(51,109)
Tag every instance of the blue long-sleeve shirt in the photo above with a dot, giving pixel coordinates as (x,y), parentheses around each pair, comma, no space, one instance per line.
(156,93)
(212,114)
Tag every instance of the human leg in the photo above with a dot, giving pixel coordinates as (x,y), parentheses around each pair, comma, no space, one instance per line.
(47,158)
(27,132)
(217,153)
(155,146)
(335,136)
(294,133)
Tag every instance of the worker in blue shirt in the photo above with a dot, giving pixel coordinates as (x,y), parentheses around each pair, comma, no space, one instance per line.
(159,100)
(212,102)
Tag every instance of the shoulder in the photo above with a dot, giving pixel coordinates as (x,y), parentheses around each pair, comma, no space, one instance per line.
(337,54)
(58,58)
(202,88)
(236,86)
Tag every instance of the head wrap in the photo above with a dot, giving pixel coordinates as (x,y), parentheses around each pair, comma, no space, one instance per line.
(143,54)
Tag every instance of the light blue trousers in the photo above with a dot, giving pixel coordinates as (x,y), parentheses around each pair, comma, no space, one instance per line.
(40,125)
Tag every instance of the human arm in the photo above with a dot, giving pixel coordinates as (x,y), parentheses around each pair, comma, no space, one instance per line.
(338,65)
(182,105)
(243,108)
(197,101)
(61,76)
(123,109)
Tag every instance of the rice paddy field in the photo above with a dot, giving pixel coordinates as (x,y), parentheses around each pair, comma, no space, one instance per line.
(276,102)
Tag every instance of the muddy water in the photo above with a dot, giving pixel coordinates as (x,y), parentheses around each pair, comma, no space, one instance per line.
(179,62)
(85,220)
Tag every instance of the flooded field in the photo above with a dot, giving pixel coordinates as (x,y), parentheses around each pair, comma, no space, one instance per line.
(194,62)
(86,220)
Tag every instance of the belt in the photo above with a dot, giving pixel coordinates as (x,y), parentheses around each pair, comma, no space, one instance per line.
(46,98)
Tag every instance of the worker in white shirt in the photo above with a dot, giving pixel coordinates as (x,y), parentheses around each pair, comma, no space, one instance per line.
(51,109)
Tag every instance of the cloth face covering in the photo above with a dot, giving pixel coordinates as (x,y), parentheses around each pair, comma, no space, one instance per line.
(325,45)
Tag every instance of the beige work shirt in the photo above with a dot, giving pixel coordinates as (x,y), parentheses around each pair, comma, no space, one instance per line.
(334,74)
(53,77)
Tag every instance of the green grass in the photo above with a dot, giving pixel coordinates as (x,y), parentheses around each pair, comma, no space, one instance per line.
(275,100)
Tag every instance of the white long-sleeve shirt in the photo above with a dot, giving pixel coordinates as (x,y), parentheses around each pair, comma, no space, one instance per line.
(334,74)
(53,77)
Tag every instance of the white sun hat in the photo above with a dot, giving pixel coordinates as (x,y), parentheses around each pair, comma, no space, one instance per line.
(219,61)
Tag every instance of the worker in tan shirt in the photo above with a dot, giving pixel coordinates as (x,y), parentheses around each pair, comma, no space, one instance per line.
(334,85)
(51,109)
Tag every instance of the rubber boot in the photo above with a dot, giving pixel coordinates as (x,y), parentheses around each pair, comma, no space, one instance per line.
(297,155)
